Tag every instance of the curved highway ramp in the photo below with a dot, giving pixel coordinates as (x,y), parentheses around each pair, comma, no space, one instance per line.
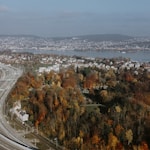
(9,139)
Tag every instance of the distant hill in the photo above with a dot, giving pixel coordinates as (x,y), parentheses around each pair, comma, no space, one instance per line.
(98,37)
(94,37)
(105,37)
(20,36)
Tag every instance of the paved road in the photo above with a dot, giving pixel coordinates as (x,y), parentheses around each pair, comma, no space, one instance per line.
(8,138)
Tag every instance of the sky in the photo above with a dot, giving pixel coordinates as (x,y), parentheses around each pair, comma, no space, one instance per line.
(57,18)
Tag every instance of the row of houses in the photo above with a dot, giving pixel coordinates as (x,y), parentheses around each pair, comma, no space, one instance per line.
(92,63)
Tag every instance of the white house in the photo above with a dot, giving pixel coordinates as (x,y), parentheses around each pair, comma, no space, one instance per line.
(21,114)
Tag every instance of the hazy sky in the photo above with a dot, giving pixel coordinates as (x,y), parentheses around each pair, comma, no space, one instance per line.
(75,17)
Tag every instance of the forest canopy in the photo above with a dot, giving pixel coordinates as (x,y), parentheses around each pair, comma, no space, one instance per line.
(65,105)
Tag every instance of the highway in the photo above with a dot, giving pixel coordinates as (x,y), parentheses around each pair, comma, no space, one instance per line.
(9,139)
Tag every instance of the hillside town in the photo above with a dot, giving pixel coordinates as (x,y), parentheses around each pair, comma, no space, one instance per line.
(23,42)
(47,63)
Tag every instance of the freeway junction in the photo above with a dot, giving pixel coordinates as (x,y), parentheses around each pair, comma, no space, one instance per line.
(9,139)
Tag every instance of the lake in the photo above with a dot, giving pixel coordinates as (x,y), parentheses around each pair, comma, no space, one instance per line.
(135,55)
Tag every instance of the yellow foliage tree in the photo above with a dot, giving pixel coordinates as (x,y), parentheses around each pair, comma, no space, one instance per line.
(61,132)
(95,139)
(129,136)
(112,142)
